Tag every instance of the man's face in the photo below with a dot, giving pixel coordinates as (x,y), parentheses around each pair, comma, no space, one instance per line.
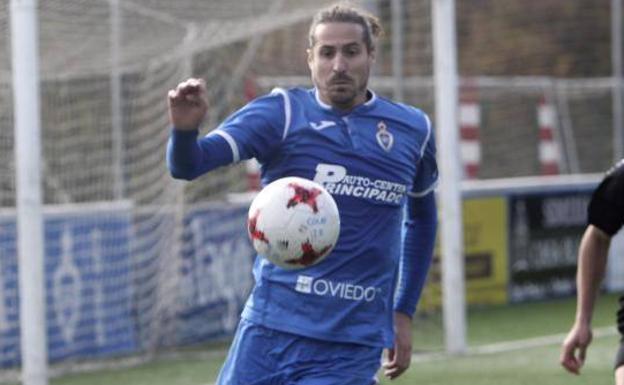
(340,64)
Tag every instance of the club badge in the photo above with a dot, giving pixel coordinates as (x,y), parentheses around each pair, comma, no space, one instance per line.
(384,137)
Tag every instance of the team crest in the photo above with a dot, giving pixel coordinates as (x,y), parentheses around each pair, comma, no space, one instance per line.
(384,137)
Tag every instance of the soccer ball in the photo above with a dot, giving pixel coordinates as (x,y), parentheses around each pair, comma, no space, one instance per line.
(293,222)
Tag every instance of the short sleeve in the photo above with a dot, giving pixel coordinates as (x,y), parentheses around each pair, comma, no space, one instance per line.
(257,129)
(606,207)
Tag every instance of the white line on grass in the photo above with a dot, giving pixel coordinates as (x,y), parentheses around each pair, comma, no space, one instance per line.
(507,346)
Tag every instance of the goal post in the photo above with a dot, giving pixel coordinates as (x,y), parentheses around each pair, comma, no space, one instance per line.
(446,116)
(26,93)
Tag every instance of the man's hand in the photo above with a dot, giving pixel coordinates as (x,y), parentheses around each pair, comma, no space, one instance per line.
(187,104)
(399,357)
(574,347)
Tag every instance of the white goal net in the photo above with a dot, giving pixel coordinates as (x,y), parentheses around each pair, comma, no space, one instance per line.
(135,262)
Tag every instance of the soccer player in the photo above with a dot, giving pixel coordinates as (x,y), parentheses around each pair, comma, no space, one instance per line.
(605,217)
(329,323)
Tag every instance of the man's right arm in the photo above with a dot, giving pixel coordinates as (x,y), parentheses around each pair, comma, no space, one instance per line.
(591,268)
(188,158)
(254,131)
(187,105)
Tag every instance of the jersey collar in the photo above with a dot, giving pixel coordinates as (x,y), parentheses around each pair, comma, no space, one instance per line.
(360,107)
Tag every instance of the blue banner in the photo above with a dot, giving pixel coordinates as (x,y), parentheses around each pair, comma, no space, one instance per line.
(88,284)
(216,272)
(120,281)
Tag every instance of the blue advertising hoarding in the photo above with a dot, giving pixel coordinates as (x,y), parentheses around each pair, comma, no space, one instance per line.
(88,283)
(103,266)
(545,233)
(215,272)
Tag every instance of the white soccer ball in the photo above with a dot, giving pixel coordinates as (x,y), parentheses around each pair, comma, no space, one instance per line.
(293,222)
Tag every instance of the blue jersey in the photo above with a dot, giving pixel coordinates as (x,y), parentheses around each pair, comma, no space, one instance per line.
(370,159)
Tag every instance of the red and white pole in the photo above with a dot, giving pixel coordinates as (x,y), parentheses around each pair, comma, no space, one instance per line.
(548,149)
(469,125)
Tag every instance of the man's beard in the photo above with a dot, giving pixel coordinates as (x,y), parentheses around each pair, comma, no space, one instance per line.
(342,95)
(345,95)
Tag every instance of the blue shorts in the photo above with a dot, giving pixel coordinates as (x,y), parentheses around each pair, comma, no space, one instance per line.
(262,356)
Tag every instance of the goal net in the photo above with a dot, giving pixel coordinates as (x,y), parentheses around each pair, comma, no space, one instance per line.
(138,263)
(135,262)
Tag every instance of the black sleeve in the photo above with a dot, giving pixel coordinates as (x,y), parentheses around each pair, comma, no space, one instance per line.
(606,207)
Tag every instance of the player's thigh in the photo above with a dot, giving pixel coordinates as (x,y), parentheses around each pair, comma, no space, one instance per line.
(262,356)
(248,361)
(334,363)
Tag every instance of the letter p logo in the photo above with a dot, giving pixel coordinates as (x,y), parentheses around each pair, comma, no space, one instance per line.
(329,173)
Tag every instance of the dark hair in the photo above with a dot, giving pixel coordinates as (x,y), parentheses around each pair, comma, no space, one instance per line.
(343,13)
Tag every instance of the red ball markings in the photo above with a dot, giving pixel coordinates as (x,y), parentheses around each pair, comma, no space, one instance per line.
(307,197)
(304,196)
(253,230)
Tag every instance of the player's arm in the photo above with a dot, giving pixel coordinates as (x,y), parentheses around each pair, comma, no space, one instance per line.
(592,261)
(420,230)
(187,106)
(253,131)
(420,225)
(605,217)
(189,157)
(419,233)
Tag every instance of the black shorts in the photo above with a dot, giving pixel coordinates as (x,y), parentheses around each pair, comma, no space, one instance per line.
(619,357)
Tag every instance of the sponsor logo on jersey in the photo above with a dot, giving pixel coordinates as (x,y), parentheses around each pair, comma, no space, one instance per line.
(337,182)
(323,124)
(343,290)
(384,137)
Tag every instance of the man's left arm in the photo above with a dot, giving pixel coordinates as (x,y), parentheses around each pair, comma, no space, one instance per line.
(419,239)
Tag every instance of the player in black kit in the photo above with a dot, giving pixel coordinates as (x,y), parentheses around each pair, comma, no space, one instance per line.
(605,218)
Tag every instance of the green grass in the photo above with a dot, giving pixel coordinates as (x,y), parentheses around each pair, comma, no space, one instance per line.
(188,371)
(528,366)
(487,325)
(512,322)
(534,366)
